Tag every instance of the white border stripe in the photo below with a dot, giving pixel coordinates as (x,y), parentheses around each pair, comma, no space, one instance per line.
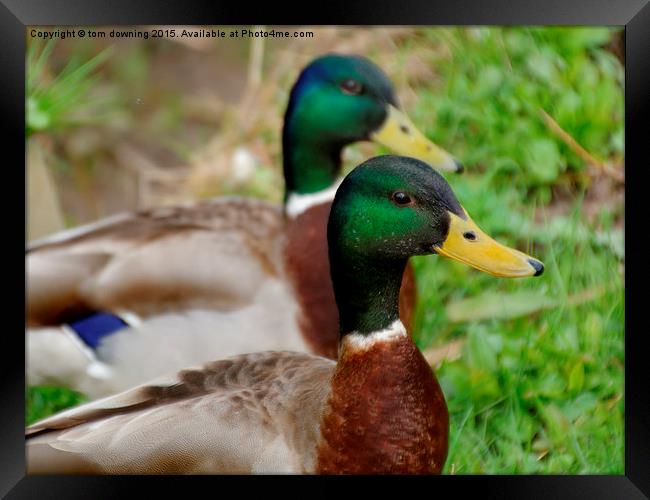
(299,203)
(356,340)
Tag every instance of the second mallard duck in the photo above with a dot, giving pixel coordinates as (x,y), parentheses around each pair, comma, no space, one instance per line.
(220,277)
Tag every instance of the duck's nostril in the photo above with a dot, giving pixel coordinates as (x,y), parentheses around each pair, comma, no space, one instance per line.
(537,265)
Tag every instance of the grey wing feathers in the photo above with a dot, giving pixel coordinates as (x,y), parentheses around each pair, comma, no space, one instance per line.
(249,413)
(153,261)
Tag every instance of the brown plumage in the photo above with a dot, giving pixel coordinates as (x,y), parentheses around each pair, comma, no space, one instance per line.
(386,413)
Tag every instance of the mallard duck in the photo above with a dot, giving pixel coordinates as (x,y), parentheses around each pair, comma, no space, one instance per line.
(378,409)
(135,295)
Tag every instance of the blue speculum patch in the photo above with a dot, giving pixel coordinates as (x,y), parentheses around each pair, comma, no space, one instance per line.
(92,329)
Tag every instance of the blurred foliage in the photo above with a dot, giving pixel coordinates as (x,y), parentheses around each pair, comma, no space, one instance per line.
(43,400)
(487,103)
(57,102)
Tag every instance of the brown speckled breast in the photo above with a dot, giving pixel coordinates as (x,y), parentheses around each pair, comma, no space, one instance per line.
(307,265)
(386,414)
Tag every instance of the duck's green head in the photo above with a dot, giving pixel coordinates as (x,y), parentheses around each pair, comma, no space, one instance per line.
(391,208)
(338,100)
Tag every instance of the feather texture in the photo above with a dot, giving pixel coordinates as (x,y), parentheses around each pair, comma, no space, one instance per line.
(251,413)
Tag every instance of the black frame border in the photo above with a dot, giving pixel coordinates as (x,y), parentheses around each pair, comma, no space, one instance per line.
(15,16)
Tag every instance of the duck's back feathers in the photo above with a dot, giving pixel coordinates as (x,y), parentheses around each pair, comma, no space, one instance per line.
(214,255)
(250,413)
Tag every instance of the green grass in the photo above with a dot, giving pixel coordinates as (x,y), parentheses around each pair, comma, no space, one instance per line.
(538,388)
(486,106)
(539,385)
(43,400)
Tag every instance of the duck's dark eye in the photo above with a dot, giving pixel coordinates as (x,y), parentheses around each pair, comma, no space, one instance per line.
(400,198)
(351,86)
(469,235)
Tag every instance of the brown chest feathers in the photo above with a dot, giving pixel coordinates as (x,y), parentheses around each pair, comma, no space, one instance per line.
(307,264)
(386,414)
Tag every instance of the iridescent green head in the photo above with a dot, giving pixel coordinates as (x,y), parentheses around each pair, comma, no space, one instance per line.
(338,100)
(391,208)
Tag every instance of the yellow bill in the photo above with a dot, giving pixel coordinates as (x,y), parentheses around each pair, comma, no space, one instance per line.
(466,243)
(400,135)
